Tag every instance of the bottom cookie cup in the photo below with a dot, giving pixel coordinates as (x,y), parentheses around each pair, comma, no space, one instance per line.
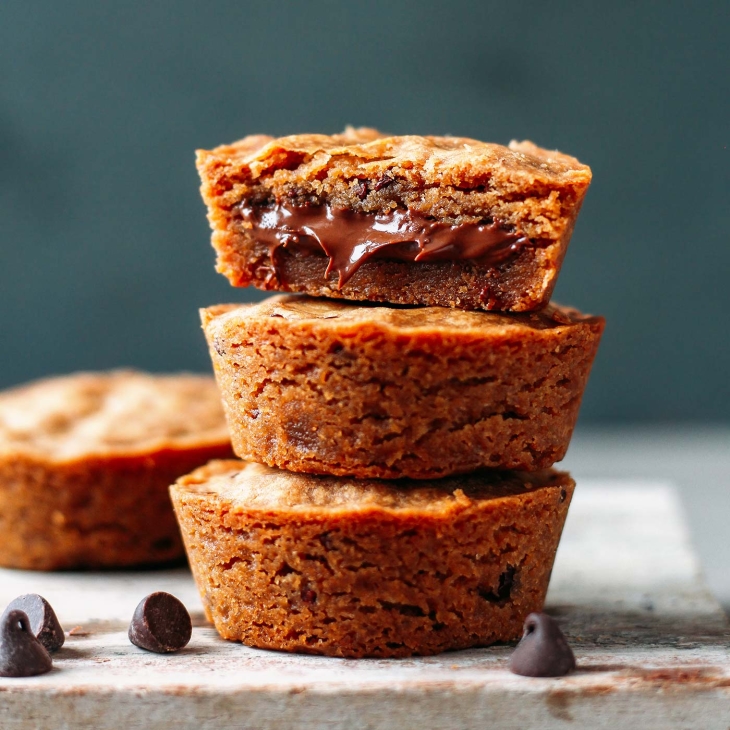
(367,568)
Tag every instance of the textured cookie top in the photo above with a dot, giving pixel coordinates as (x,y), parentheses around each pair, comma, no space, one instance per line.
(254,487)
(337,314)
(119,413)
(447,160)
(456,180)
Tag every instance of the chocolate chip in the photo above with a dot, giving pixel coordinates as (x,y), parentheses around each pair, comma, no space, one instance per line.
(43,621)
(362,189)
(21,654)
(161,624)
(543,650)
(384,181)
(308,595)
(504,589)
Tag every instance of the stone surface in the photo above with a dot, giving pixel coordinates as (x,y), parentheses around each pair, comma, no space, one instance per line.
(652,646)
(694,457)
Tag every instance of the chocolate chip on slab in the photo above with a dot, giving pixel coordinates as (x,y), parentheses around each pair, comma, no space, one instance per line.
(161,624)
(43,621)
(21,654)
(543,650)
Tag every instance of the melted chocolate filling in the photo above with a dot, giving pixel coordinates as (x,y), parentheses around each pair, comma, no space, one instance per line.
(349,238)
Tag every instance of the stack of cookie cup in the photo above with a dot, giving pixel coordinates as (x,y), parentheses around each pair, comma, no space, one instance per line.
(397,431)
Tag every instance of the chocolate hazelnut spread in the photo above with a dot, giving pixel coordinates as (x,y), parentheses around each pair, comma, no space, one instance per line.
(349,238)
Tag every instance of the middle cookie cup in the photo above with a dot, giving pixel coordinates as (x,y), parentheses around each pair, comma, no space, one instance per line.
(347,389)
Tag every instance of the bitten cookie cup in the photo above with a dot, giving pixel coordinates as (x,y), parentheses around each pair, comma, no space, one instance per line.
(86,462)
(366,568)
(442,221)
(342,388)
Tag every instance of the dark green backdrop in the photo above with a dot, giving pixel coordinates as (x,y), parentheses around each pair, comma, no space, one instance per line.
(104,253)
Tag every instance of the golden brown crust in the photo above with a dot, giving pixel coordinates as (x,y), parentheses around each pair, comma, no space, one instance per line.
(365,568)
(327,165)
(86,461)
(327,387)
(351,318)
(450,179)
(120,413)
(262,489)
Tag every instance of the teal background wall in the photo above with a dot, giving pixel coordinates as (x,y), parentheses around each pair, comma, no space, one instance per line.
(104,252)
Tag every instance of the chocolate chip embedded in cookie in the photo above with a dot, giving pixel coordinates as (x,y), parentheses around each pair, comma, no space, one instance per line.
(355,568)
(346,388)
(445,221)
(86,461)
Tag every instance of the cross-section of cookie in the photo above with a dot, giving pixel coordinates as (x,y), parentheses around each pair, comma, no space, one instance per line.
(86,461)
(347,388)
(445,221)
(359,568)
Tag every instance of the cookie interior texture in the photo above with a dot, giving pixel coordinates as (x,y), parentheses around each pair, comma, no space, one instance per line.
(449,178)
(361,210)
